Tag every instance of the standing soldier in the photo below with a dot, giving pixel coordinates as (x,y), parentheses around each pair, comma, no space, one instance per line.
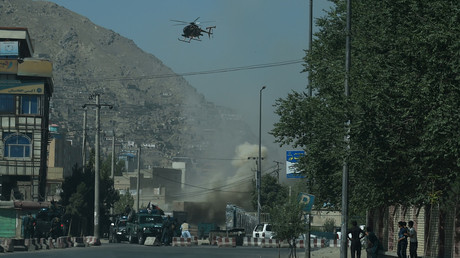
(28,225)
(55,227)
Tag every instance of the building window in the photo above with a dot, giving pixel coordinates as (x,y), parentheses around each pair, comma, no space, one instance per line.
(17,145)
(30,104)
(7,104)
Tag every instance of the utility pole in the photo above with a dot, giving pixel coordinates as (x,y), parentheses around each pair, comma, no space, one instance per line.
(278,169)
(343,242)
(310,40)
(112,170)
(83,149)
(98,106)
(259,164)
(138,183)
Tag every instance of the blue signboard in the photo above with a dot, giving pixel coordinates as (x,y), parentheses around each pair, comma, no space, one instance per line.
(292,157)
(307,200)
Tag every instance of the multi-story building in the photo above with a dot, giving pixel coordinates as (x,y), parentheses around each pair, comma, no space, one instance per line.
(26,87)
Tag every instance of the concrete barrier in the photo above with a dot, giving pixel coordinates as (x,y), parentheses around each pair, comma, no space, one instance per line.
(250,241)
(44,243)
(152,241)
(181,241)
(7,245)
(92,241)
(78,242)
(213,240)
(318,242)
(226,242)
(300,243)
(19,244)
(31,244)
(51,243)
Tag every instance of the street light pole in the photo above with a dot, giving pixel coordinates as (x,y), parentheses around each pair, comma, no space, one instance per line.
(259,163)
(345,173)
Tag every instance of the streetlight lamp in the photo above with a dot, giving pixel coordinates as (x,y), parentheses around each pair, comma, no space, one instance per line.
(259,163)
(98,106)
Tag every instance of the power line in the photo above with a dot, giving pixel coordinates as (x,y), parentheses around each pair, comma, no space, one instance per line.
(169,75)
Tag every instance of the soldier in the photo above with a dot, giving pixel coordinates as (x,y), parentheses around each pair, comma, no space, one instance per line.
(28,226)
(55,227)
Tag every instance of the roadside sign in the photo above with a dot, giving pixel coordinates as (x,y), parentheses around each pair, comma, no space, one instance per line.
(292,157)
(307,200)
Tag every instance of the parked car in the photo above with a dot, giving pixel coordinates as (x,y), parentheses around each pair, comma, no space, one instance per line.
(117,231)
(263,230)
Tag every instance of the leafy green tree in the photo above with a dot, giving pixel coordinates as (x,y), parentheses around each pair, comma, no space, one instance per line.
(119,168)
(74,194)
(76,206)
(125,199)
(403,108)
(287,222)
(78,191)
(271,193)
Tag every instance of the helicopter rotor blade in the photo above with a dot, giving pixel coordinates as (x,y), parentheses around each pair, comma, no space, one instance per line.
(196,20)
(183,22)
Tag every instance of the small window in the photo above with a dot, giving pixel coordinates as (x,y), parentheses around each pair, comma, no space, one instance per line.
(30,104)
(17,145)
(7,104)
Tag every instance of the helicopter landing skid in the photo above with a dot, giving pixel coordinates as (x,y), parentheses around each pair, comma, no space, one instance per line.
(188,41)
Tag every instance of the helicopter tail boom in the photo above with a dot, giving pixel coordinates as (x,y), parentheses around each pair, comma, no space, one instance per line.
(209,30)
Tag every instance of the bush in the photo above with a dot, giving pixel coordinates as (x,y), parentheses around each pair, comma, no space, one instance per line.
(329,225)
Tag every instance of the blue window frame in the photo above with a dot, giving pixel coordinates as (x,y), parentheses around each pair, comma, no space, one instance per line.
(17,145)
(7,104)
(30,104)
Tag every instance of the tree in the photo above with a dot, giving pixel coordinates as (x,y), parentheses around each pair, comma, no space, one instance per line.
(76,205)
(125,199)
(404,105)
(271,193)
(78,190)
(287,223)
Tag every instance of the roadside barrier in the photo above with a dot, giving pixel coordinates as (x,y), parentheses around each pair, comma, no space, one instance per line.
(92,241)
(318,242)
(269,243)
(213,240)
(181,241)
(61,242)
(7,245)
(226,242)
(300,243)
(78,242)
(31,244)
(250,241)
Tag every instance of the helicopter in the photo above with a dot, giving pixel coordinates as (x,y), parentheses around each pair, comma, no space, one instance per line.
(192,31)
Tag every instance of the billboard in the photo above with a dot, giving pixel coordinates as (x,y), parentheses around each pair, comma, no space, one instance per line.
(292,157)
(9,48)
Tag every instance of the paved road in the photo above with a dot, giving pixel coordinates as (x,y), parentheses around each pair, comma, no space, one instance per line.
(125,250)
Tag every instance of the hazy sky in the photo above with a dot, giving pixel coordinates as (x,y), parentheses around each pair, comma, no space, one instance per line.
(248,33)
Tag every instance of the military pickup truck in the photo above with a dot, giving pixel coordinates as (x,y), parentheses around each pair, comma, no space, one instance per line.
(142,225)
(117,232)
